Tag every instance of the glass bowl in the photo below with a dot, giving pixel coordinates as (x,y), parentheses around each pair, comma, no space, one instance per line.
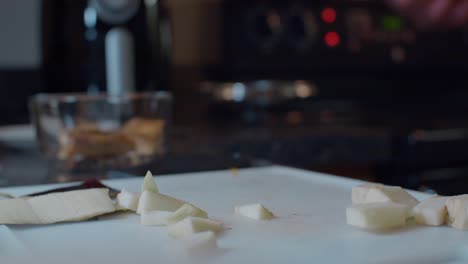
(86,135)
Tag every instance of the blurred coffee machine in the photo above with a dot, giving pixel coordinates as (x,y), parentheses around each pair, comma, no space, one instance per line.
(80,46)
(128,44)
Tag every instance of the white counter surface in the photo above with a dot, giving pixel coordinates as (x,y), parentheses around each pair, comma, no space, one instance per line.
(310,226)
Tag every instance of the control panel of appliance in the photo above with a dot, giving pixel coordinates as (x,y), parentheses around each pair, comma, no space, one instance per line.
(316,35)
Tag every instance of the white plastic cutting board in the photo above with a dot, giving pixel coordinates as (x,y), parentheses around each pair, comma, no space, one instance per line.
(310,226)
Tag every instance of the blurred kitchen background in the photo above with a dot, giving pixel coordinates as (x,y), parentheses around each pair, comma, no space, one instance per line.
(345,87)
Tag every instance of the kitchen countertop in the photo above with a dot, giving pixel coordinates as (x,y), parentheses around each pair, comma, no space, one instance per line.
(371,153)
(200,148)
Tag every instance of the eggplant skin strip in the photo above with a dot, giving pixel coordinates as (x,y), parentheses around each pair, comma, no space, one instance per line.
(56,207)
(88,184)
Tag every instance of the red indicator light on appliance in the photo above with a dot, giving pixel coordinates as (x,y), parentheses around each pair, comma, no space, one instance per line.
(328,15)
(332,39)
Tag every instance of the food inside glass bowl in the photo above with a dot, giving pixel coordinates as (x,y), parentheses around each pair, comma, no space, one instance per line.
(146,134)
(136,139)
